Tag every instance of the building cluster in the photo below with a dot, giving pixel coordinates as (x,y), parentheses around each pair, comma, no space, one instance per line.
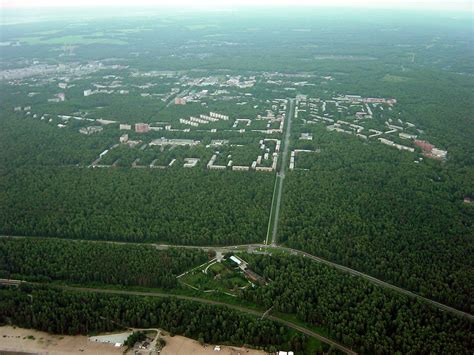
(203,119)
(50,70)
(260,164)
(91,130)
(60,97)
(124,139)
(367,100)
(358,110)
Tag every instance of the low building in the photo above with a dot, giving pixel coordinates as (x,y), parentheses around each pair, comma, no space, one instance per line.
(236,260)
(407,136)
(190,162)
(124,138)
(439,153)
(90,130)
(182,142)
(254,277)
(125,127)
(240,168)
(216,167)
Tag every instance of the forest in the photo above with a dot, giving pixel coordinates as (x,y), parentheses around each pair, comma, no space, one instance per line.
(83,262)
(360,204)
(31,142)
(361,315)
(371,208)
(352,310)
(71,313)
(182,206)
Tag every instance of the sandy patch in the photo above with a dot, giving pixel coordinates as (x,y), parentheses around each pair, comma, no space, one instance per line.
(16,340)
(179,345)
(28,341)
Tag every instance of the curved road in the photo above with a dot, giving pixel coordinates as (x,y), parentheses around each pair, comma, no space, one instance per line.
(251,248)
(215,303)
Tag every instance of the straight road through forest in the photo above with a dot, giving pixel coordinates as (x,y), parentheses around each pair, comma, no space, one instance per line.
(280,176)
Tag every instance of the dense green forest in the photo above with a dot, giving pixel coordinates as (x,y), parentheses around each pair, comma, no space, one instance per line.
(183,206)
(46,260)
(360,203)
(361,315)
(63,312)
(371,208)
(31,142)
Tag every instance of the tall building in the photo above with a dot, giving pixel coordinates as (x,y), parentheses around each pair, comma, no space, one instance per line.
(179,101)
(142,127)
(426,146)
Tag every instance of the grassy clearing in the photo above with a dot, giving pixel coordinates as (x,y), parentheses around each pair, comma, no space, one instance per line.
(218,278)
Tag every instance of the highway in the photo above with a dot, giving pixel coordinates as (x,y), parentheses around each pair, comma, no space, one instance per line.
(246,310)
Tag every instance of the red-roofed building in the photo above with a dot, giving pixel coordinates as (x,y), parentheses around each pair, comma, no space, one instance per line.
(426,146)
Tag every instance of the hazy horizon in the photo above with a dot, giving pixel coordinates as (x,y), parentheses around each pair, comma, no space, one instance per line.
(434,5)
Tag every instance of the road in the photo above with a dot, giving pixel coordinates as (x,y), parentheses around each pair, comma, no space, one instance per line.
(378,282)
(246,310)
(280,177)
(258,248)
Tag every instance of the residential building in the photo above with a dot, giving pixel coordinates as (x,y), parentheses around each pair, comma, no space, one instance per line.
(142,127)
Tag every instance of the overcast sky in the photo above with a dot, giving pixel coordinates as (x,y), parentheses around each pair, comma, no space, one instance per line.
(463,5)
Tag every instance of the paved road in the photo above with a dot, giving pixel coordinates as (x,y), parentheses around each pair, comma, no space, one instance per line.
(275,212)
(257,248)
(378,282)
(250,311)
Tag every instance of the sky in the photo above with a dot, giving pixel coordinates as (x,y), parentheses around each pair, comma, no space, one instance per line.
(455,5)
